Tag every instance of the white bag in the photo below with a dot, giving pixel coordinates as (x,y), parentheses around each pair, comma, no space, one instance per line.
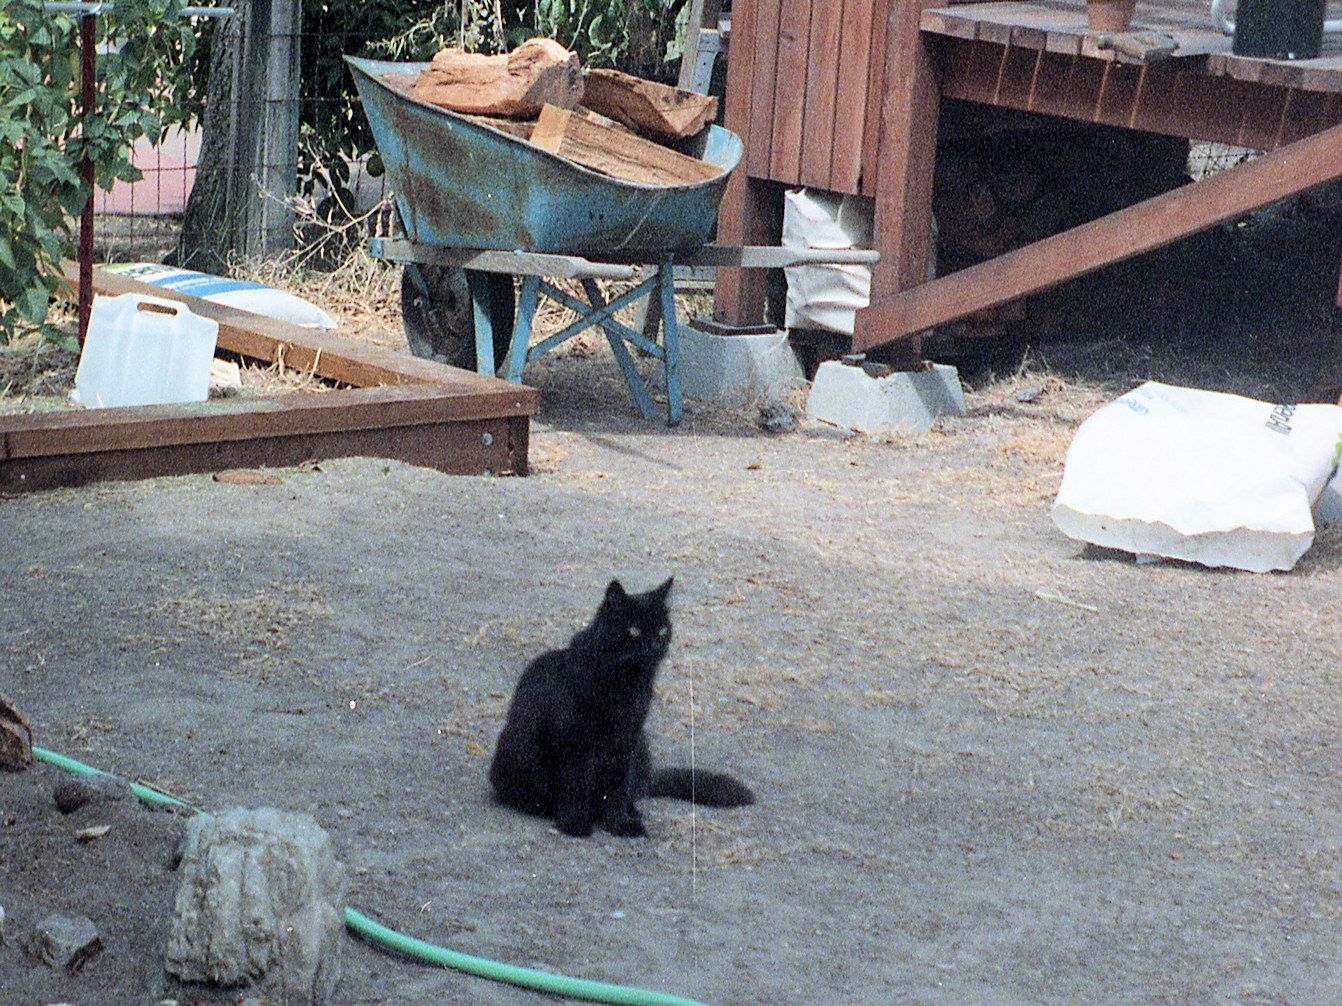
(821,295)
(1199,475)
(242,294)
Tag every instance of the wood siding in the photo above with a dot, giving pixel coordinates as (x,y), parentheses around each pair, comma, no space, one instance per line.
(802,91)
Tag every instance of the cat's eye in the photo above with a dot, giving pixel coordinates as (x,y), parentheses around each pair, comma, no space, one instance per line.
(664,630)
(635,631)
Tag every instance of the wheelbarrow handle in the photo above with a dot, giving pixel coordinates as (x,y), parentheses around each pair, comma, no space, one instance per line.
(519,263)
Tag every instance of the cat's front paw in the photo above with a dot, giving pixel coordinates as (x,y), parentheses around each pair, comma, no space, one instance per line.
(576,826)
(629,828)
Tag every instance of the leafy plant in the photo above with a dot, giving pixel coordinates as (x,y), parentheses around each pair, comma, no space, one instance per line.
(143,87)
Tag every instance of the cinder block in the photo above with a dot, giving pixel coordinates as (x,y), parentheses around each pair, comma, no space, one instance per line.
(844,395)
(738,366)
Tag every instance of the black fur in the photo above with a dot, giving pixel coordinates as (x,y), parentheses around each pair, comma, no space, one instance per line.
(573,747)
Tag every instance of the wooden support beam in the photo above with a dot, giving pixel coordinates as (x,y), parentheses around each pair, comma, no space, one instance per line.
(854,77)
(784,129)
(910,110)
(874,103)
(1127,233)
(822,100)
(1156,99)
(744,211)
(751,214)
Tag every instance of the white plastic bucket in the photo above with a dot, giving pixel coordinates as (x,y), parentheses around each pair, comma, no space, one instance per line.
(144,351)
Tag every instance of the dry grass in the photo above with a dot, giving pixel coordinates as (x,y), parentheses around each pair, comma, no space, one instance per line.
(249,631)
(363,294)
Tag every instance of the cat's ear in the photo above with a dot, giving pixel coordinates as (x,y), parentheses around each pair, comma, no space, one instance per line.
(662,592)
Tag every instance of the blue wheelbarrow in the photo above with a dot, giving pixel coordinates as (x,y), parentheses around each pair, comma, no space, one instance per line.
(479,205)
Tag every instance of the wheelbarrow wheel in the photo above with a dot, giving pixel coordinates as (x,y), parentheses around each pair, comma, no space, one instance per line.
(439,318)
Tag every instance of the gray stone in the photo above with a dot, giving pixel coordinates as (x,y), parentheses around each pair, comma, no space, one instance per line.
(73,791)
(778,417)
(65,942)
(261,901)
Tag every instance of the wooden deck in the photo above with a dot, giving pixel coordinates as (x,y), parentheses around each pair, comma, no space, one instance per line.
(1060,26)
(1173,74)
(401,408)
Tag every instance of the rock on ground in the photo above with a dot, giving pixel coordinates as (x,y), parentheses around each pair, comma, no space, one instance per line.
(261,901)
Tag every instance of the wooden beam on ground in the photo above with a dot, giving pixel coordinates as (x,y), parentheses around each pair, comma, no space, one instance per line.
(1125,234)
(406,409)
(417,424)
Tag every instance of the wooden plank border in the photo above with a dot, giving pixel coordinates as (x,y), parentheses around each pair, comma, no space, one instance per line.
(400,407)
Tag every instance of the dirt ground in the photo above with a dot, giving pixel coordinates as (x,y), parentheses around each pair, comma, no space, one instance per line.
(993,766)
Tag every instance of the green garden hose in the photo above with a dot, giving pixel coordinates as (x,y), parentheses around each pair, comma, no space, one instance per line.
(560,985)
(428,953)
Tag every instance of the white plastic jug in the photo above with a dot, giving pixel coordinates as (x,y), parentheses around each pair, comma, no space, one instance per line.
(144,351)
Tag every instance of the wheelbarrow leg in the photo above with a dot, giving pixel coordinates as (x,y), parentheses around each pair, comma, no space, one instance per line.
(483,308)
(666,297)
(526,309)
(621,352)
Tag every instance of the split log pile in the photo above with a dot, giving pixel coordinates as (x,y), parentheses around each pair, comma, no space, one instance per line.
(1001,190)
(651,109)
(594,144)
(514,85)
(604,120)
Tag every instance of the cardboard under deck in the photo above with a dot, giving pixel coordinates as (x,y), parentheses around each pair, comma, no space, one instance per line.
(401,408)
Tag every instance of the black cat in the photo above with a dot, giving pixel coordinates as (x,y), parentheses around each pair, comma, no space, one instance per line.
(573,747)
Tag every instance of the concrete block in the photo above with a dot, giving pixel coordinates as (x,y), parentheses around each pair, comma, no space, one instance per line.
(737,367)
(261,902)
(847,396)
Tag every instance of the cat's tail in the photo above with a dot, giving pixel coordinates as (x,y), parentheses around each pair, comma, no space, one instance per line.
(711,789)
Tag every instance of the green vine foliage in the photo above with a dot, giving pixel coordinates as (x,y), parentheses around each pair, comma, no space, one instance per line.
(144,59)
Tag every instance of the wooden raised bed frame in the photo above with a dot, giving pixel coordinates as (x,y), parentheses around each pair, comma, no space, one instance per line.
(400,408)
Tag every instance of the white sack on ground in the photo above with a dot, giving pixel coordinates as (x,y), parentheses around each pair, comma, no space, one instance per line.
(1199,475)
(243,294)
(823,295)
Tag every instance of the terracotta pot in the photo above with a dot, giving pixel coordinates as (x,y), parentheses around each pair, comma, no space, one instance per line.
(1109,15)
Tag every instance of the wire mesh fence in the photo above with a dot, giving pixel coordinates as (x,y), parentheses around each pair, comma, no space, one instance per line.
(236,182)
